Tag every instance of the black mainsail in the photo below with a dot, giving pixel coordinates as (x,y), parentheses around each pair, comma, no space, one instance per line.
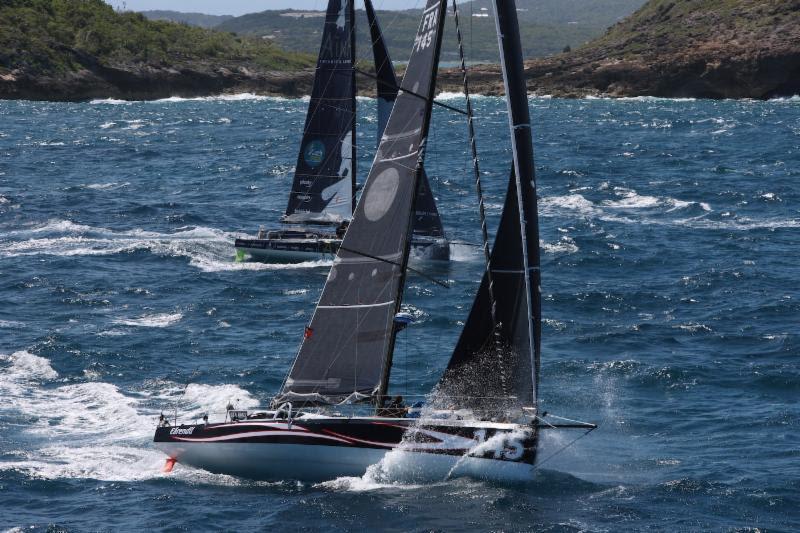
(324,184)
(427,222)
(346,353)
(499,356)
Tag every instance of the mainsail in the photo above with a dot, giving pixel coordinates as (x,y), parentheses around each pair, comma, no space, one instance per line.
(427,222)
(500,357)
(324,184)
(347,350)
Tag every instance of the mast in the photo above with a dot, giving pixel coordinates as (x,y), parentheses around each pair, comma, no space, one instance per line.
(346,352)
(351,15)
(519,122)
(323,190)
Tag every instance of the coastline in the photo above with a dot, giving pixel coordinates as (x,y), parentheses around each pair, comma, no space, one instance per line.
(560,76)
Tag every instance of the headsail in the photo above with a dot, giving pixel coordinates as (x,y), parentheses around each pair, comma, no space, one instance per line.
(324,181)
(505,362)
(347,351)
(427,222)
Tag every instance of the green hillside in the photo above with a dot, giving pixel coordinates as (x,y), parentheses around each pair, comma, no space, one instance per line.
(548,26)
(194,19)
(52,37)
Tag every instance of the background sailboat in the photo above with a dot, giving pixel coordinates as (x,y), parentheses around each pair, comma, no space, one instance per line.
(324,189)
(483,420)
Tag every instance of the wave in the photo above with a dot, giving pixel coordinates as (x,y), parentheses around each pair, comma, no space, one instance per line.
(93,430)
(238,97)
(566,246)
(208,249)
(162,320)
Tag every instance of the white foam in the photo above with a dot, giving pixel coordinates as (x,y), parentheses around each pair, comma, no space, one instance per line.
(632,200)
(446,95)
(25,366)
(109,101)
(161,320)
(465,252)
(294,292)
(93,430)
(208,249)
(107,186)
(566,245)
(574,202)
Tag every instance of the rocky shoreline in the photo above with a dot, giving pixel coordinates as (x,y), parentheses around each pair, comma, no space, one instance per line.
(560,76)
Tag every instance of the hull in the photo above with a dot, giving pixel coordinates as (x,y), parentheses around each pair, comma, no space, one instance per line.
(316,249)
(326,448)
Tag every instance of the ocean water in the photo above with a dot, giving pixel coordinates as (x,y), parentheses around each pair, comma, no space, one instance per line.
(671,301)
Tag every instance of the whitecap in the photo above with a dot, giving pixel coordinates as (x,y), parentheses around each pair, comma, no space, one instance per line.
(107,186)
(566,245)
(632,200)
(161,320)
(109,101)
(93,430)
(294,292)
(572,202)
(25,366)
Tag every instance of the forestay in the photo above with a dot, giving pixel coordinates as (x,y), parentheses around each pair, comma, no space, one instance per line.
(324,184)
(427,222)
(347,350)
(504,362)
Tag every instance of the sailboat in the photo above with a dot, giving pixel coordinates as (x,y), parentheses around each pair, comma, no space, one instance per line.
(323,193)
(483,418)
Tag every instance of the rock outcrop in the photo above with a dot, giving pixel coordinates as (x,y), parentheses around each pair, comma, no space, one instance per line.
(685,48)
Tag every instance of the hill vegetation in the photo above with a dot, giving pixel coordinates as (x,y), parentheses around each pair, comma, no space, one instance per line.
(194,19)
(548,26)
(50,36)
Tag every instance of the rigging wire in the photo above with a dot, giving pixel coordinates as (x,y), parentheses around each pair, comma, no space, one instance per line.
(496,325)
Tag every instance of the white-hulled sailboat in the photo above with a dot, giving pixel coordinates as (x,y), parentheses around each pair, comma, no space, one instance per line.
(323,192)
(483,418)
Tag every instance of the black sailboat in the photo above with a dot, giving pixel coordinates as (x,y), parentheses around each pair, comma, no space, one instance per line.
(323,192)
(483,419)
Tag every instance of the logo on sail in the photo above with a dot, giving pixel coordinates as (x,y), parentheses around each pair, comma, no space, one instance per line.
(314,153)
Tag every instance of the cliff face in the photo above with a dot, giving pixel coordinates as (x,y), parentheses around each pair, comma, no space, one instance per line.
(148,82)
(685,48)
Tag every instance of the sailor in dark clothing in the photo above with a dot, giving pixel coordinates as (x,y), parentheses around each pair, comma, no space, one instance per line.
(342,229)
(394,409)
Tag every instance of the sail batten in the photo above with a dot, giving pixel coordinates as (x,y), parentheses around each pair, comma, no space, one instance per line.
(346,353)
(324,182)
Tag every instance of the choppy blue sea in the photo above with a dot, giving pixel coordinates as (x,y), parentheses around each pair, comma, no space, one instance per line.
(671,281)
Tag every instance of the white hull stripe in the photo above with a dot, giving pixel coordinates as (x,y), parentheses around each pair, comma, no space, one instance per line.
(260,434)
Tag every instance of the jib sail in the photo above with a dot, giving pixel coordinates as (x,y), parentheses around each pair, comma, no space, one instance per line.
(499,357)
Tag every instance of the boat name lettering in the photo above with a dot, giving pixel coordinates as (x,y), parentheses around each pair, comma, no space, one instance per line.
(181,431)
